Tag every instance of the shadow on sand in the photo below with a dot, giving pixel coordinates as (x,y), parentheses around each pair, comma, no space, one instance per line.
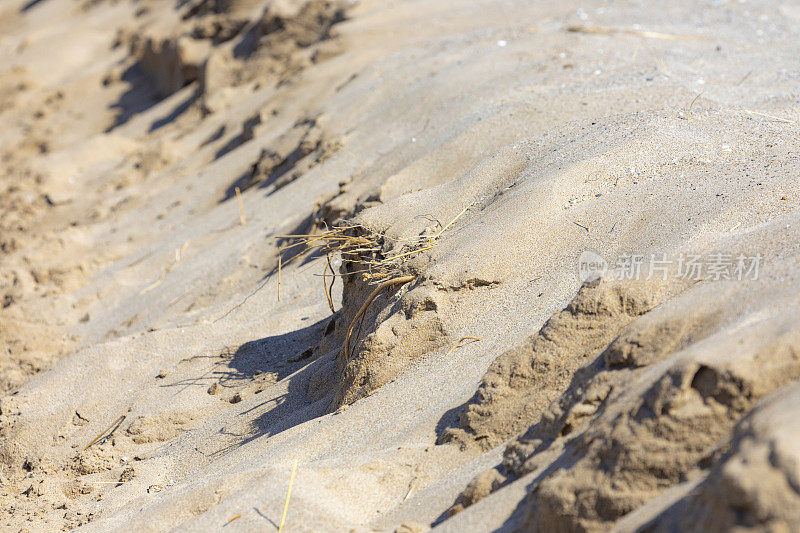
(142,94)
(291,357)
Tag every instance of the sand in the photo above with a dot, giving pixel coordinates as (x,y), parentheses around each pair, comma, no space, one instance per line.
(596,205)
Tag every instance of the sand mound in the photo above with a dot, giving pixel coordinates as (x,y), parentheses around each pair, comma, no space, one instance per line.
(167,362)
(754,485)
(522,382)
(291,155)
(403,332)
(652,410)
(278,38)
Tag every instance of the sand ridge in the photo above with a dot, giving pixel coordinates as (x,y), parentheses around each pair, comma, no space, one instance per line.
(140,290)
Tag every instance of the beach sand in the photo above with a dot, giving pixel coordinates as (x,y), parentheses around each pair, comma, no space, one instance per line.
(577,222)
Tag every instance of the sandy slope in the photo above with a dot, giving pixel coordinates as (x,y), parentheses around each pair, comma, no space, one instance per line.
(512,136)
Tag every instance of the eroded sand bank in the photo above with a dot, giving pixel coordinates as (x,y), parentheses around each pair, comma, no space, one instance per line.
(153,155)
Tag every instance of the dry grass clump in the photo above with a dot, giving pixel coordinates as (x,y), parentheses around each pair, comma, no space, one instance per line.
(357,245)
(362,251)
(360,247)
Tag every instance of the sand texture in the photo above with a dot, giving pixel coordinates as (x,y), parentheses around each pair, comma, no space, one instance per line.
(402,253)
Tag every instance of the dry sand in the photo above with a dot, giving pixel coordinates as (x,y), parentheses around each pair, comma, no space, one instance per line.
(153,153)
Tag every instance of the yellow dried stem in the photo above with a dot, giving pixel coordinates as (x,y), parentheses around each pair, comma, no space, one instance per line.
(388,283)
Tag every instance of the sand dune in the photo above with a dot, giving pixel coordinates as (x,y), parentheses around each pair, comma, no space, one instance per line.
(564,265)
